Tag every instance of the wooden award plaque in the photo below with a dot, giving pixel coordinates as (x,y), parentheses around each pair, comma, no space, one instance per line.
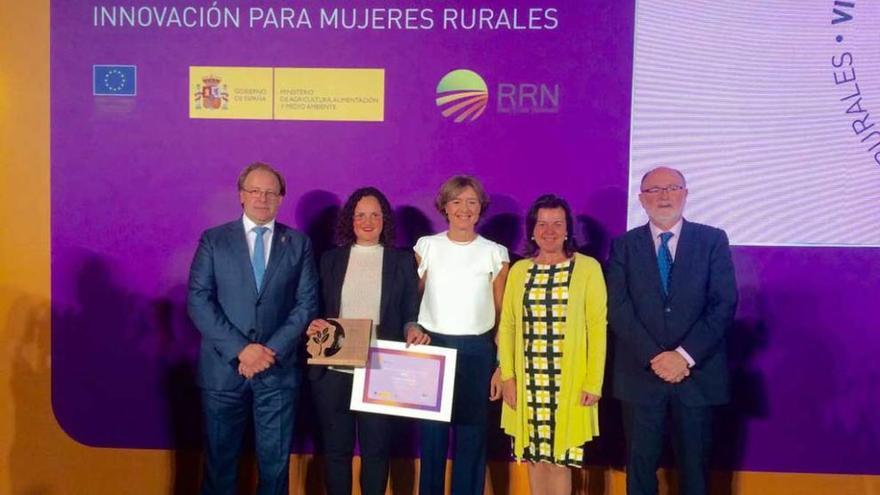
(345,342)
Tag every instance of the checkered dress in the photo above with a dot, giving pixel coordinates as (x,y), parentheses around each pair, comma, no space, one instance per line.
(544,303)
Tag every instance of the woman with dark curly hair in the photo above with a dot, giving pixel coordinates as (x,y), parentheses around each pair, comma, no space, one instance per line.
(366,277)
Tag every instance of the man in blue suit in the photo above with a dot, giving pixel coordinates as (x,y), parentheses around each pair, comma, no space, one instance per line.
(671,298)
(253,289)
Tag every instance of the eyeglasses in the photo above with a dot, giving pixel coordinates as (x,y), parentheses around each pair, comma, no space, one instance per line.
(657,190)
(256,193)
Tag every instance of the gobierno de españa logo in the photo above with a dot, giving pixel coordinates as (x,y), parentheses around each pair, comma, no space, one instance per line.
(462,94)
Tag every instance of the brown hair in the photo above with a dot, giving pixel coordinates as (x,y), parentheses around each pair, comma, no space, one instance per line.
(262,166)
(453,187)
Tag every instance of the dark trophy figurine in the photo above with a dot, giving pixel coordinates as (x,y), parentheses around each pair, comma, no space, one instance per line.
(345,342)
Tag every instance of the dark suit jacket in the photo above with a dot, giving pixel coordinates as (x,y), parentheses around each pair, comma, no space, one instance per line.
(230,313)
(399,303)
(696,314)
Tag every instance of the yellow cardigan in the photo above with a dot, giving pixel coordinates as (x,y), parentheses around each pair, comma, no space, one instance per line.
(583,355)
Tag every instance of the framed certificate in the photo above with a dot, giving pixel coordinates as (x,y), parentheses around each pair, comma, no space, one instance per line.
(415,381)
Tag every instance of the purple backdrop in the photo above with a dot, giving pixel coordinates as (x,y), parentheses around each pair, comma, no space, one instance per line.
(135,180)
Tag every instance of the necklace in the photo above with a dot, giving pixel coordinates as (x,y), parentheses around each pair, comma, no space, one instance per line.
(461,243)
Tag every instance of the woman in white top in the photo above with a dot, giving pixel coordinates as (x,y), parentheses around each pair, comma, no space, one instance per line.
(462,277)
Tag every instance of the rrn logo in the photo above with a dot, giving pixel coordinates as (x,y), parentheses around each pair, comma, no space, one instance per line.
(462,94)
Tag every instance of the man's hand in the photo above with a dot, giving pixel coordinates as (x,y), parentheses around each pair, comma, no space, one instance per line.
(588,399)
(255,358)
(416,336)
(495,385)
(508,391)
(246,372)
(670,366)
(316,326)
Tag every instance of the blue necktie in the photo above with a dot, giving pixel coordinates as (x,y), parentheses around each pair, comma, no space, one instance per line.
(259,259)
(664,261)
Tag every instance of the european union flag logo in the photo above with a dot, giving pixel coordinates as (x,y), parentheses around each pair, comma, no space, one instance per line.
(114,80)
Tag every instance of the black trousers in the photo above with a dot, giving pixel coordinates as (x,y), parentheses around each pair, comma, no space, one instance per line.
(470,408)
(691,433)
(331,393)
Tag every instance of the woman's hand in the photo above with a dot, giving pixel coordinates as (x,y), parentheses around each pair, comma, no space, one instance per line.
(588,399)
(416,336)
(495,385)
(508,391)
(316,326)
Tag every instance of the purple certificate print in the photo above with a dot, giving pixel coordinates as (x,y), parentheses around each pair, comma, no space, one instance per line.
(415,381)
(405,379)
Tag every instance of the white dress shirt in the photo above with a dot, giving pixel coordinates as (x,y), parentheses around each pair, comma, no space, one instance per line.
(249,226)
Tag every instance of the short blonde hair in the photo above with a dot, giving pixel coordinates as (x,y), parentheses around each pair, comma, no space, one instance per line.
(453,187)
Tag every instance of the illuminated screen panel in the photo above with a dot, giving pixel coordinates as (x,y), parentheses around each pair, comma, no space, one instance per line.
(769,110)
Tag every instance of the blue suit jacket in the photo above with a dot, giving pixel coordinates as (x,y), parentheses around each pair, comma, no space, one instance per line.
(695,315)
(230,312)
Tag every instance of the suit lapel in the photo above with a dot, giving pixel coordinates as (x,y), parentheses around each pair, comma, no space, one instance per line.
(239,245)
(647,255)
(387,272)
(683,257)
(280,243)
(339,269)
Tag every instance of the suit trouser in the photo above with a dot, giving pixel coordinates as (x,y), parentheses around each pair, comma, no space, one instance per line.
(475,362)
(331,393)
(226,417)
(645,427)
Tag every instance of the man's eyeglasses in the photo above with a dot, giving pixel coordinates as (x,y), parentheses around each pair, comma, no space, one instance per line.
(657,190)
(256,193)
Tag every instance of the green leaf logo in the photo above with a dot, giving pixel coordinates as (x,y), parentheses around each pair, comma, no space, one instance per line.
(462,95)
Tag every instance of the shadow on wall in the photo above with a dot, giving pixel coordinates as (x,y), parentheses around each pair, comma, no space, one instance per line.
(503,223)
(153,344)
(102,354)
(745,341)
(34,439)
(179,342)
(592,237)
(315,215)
(411,224)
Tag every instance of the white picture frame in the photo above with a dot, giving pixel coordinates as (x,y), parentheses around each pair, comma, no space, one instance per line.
(414,382)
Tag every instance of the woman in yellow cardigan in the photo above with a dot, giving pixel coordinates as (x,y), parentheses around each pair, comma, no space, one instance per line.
(551,348)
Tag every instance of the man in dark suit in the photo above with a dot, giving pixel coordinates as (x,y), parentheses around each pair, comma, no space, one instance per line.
(671,298)
(253,288)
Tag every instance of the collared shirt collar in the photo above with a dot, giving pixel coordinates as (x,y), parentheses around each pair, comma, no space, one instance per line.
(250,224)
(676,230)
(673,242)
